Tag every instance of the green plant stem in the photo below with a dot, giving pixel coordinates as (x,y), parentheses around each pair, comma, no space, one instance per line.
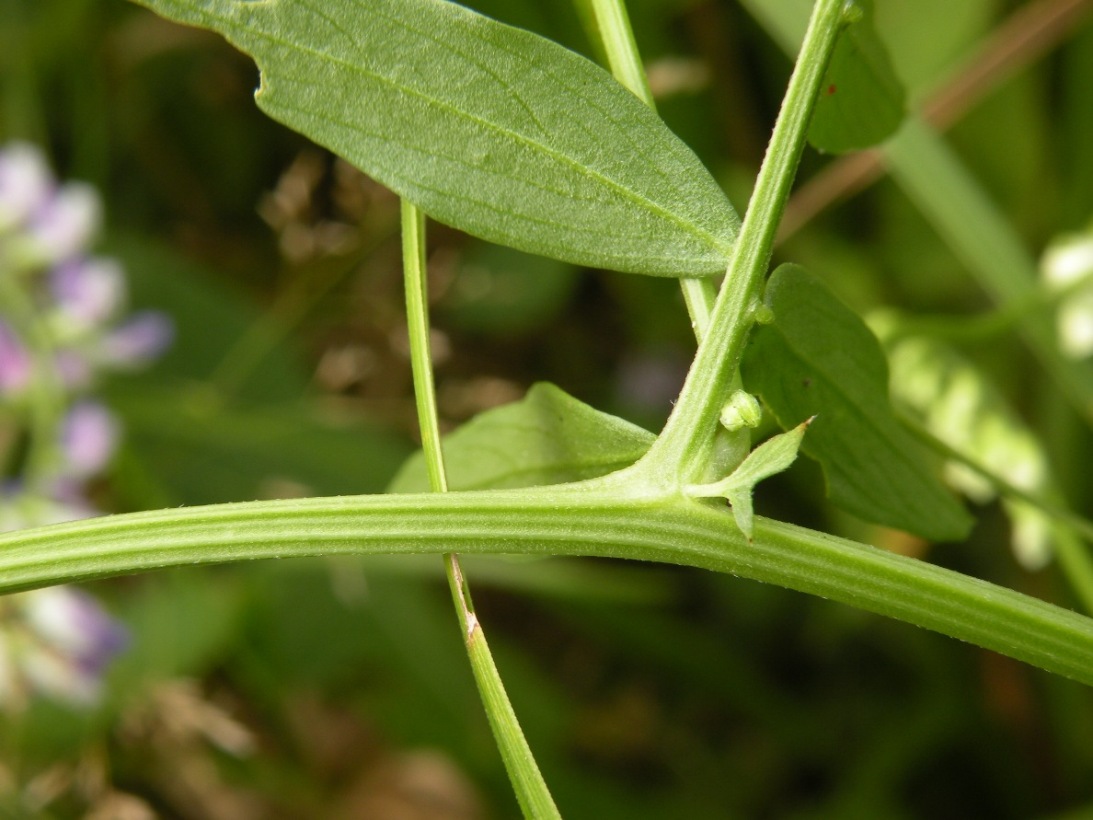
(421,358)
(530,787)
(617,36)
(612,27)
(610,517)
(680,448)
(45,398)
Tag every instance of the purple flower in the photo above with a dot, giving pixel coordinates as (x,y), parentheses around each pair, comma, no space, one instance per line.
(76,639)
(25,183)
(87,291)
(15,365)
(65,223)
(143,337)
(88,439)
(58,641)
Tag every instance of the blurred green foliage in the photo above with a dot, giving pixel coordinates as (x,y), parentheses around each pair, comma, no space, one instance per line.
(340,689)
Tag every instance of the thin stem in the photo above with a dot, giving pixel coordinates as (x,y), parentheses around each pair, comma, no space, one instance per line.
(679,448)
(617,36)
(531,789)
(46,392)
(421,359)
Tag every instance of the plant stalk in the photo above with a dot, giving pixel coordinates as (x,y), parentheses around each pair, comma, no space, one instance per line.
(608,517)
(617,36)
(530,787)
(45,392)
(681,446)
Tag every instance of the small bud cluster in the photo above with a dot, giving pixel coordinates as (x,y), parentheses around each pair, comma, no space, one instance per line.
(61,327)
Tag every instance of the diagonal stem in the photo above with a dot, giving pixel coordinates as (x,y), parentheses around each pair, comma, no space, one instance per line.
(680,448)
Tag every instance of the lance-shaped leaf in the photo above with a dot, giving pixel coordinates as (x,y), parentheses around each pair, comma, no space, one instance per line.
(486,127)
(819,358)
(548,437)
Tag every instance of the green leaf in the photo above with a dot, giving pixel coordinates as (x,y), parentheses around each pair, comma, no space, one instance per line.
(202,453)
(182,624)
(818,358)
(502,292)
(486,127)
(862,101)
(548,437)
(770,458)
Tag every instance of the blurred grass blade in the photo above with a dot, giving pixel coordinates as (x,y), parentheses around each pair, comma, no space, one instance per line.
(950,198)
(486,127)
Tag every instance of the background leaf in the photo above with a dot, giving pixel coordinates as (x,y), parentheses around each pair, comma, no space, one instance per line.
(199,453)
(819,358)
(548,437)
(486,127)
(862,101)
(500,291)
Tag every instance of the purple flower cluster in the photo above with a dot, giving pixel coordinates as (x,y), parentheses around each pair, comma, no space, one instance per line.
(56,642)
(45,229)
(62,324)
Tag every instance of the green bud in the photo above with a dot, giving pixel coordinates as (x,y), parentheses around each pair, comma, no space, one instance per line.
(741,410)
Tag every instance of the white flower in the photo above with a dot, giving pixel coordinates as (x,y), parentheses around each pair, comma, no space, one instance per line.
(1067,265)
(26,184)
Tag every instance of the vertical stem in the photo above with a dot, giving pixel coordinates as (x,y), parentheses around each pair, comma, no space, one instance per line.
(531,790)
(46,400)
(625,63)
(679,449)
(421,359)
(617,37)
